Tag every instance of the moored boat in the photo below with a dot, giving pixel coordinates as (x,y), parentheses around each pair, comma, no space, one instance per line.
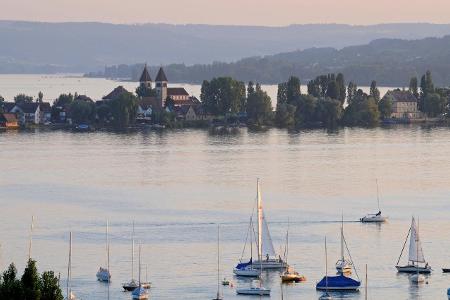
(416,260)
(103,274)
(375,218)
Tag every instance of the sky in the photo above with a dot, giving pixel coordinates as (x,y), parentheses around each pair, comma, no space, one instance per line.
(230,12)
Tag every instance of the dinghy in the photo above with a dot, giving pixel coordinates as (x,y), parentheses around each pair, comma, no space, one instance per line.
(416,260)
(103,274)
(375,218)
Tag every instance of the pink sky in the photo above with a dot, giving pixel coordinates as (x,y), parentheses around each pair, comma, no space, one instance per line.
(248,12)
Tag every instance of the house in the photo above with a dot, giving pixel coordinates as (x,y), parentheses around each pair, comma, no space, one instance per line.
(32,112)
(144,112)
(9,121)
(7,106)
(45,113)
(191,113)
(404,105)
(116,93)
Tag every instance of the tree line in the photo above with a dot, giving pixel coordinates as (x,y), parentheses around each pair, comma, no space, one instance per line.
(31,285)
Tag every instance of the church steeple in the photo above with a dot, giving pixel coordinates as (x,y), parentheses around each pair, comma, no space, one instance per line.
(145,79)
(161,86)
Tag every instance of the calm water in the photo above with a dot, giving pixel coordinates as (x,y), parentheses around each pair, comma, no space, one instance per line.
(177,185)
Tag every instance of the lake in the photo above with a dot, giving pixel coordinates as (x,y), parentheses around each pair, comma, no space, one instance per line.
(177,185)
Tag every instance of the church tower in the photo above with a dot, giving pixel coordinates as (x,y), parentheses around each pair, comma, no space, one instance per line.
(145,79)
(161,86)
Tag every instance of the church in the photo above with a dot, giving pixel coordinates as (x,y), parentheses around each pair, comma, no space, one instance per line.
(179,95)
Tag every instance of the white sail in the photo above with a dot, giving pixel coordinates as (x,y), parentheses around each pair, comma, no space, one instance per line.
(267,245)
(415,246)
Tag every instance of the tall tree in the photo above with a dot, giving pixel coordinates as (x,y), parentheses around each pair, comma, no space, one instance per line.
(40,97)
(50,287)
(22,98)
(426,88)
(414,87)
(351,92)
(11,287)
(123,110)
(259,106)
(223,95)
(341,86)
(374,91)
(31,282)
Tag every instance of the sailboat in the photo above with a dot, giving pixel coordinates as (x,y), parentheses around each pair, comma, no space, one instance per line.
(343,266)
(269,258)
(139,293)
(103,274)
(256,287)
(416,257)
(246,269)
(219,295)
(69,294)
(375,218)
(133,284)
(339,282)
(290,275)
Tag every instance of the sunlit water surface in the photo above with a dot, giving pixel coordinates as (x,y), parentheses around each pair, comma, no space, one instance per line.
(177,185)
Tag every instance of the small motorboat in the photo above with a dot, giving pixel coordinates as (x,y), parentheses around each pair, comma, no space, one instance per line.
(103,275)
(254,289)
(290,275)
(139,294)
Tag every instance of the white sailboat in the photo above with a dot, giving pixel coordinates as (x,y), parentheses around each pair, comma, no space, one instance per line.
(268,259)
(69,294)
(417,278)
(375,218)
(247,269)
(103,274)
(416,260)
(256,287)
(343,266)
(219,294)
(139,293)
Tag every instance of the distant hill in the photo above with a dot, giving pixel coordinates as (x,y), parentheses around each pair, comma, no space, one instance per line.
(33,47)
(391,62)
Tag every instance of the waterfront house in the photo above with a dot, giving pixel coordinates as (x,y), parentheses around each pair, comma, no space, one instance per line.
(116,93)
(8,121)
(7,106)
(28,113)
(144,112)
(404,105)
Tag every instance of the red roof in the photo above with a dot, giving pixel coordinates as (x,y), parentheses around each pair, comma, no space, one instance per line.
(177,92)
(117,92)
(10,118)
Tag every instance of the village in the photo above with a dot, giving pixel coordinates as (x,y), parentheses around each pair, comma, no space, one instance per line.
(157,105)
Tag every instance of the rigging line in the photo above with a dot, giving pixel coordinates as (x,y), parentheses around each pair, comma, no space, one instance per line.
(351,259)
(404,244)
(246,239)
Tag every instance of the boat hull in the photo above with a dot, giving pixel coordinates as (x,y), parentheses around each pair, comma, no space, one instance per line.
(373,219)
(246,272)
(256,292)
(414,269)
(292,278)
(446,270)
(271,264)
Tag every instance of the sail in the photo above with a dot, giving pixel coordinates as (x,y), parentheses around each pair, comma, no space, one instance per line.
(267,245)
(415,246)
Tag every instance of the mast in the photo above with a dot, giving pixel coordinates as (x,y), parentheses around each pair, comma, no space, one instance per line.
(287,244)
(378,195)
(218,262)
(107,245)
(326,265)
(365,288)
(132,255)
(251,239)
(259,205)
(139,264)
(69,268)
(342,238)
(31,238)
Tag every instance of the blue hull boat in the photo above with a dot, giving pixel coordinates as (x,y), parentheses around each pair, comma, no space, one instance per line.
(338,283)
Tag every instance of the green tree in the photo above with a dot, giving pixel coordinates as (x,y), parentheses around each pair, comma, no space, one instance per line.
(82,111)
(50,287)
(289,91)
(329,112)
(426,88)
(374,91)
(123,110)
(306,110)
(223,95)
(11,287)
(169,103)
(22,98)
(31,282)
(385,107)
(363,111)
(40,97)
(143,91)
(341,86)
(103,112)
(351,92)
(414,87)
(259,106)
(285,115)
(434,104)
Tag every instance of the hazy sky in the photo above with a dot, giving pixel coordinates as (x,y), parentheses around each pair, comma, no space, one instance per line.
(252,12)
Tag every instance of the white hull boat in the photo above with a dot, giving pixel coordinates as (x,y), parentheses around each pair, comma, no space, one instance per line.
(414,269)
(374,218)
(270,264)
(247,272)
(255,289)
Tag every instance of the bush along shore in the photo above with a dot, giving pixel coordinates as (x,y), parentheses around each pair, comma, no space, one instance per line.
(329,102)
